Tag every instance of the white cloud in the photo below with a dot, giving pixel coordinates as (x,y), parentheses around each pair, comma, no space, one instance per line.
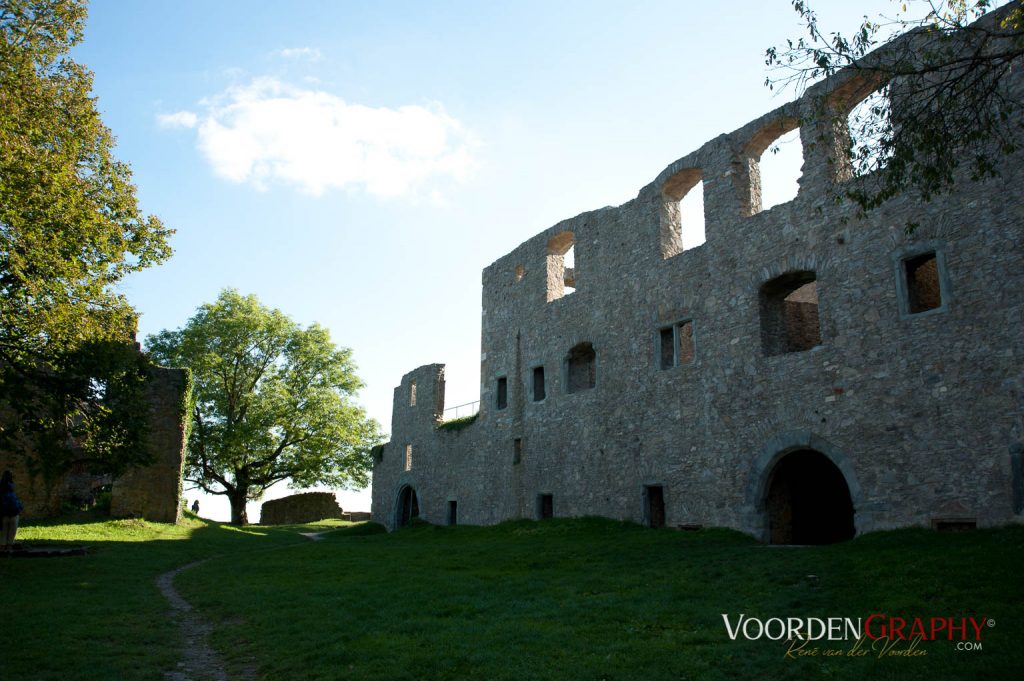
(310,53)
(268,132)
(178,119)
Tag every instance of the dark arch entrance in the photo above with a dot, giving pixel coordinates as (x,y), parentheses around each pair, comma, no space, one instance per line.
(408,507)
(808,501)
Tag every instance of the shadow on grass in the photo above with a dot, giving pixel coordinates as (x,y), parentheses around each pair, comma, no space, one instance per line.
(596,598)
(364,529)
(101,615)
(555,599)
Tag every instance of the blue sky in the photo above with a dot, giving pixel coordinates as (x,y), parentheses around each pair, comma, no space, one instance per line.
(358,164)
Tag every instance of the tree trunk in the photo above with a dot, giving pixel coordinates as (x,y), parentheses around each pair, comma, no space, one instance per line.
(238,513)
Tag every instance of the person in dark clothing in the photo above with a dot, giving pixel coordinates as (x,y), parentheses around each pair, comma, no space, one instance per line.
(10,509)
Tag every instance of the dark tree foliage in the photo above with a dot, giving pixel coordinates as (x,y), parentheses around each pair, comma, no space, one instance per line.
(941,104)
(70,229)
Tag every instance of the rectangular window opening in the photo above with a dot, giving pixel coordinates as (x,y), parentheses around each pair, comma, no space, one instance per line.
(453,510)
(668,348)
(412,394)
(923,290)
(517,451)
(654,506)
(408,457)
(676,345)
(545,506)
(539,389)
(501,399)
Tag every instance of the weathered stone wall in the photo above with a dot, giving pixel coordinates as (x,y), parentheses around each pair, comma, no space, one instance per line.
(920,411)
(39,499)
(80,487)
(43,498)
(153,492)
(300,508)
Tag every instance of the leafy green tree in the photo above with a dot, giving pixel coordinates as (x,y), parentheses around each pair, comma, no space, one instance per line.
(272,401)
(946,105)
(70,229)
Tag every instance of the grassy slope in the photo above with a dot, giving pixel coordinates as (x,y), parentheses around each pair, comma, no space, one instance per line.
(562,599)
(101,616)
(595,599)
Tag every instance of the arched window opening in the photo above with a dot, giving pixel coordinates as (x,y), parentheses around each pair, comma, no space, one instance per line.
(869,126)
(408,507)
(682,215)
(780,167)
(775,156)
(789,314)
(581,370)
(561,266)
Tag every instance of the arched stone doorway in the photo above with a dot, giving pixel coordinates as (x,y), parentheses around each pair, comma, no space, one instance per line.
(808,500)
(407,508)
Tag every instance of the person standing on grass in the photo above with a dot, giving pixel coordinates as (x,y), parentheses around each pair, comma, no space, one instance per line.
(195,507)
(10,509)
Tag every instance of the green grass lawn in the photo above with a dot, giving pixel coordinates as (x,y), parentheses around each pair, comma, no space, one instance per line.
(100,616)
(560,599)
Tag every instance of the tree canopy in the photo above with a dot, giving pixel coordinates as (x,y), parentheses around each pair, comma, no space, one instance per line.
(272,401)
(70,230)
(943,108)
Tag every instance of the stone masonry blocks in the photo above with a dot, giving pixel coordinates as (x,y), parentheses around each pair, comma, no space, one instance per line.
(920,412)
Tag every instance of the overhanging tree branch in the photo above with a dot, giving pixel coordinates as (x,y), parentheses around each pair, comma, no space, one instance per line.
(949,96)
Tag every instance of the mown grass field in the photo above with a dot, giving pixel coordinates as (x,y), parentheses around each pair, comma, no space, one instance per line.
(101,616)
(560,599)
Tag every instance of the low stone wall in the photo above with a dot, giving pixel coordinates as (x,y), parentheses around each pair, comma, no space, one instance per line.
(300,508)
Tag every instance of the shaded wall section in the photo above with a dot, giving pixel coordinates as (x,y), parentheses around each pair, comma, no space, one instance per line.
(153,492)
(300,508)
(691,370)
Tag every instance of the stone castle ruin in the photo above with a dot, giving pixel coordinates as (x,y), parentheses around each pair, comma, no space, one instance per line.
(803,376)
(152,492)
(295,509)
